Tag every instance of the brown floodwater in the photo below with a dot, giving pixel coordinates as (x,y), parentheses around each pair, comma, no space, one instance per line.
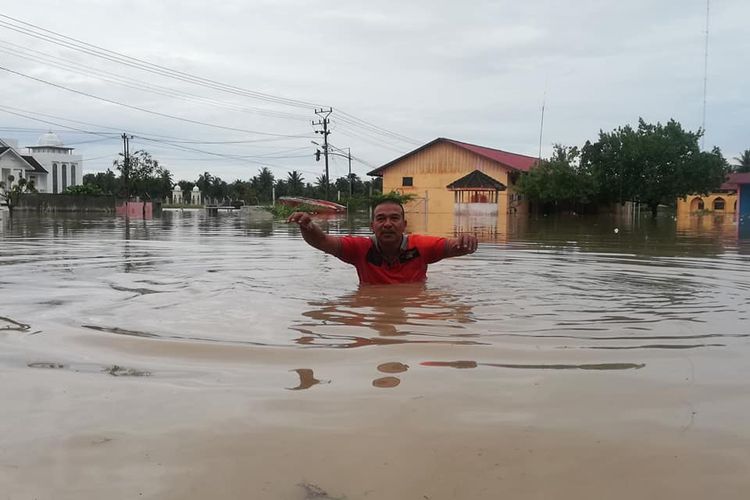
(193,356)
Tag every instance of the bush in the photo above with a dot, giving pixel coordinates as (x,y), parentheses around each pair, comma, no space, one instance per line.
(284,211)
(84,190)
(393,196)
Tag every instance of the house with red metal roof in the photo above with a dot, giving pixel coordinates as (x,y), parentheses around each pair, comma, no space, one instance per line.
(449,176)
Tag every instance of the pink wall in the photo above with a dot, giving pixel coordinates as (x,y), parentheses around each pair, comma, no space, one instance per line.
(135,209)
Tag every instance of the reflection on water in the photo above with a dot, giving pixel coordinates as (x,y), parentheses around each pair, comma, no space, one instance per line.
(410,312)
(11,324)
(588,366)
(564,282)
(113,332)
(393,367)
(306,379)
(386,382)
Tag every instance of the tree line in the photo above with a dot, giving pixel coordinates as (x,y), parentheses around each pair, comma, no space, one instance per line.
(144,177)
(648,164)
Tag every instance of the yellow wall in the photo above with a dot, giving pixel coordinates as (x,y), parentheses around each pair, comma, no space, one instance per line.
(433,169)
(689,205)
(500,227)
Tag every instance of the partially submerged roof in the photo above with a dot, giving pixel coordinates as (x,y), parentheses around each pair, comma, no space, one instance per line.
(513,161)
(476,180)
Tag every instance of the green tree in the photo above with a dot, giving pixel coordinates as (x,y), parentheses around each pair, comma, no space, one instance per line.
(107,182)
(145,177)
(88,189)
(653,164)
(263,185)
(213,188)
(295,183)
(743,162)
(282,187)
(11,193)
(558,180)
(242,190)
(320,186)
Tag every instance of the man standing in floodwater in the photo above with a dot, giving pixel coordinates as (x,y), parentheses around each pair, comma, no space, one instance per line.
(388,256)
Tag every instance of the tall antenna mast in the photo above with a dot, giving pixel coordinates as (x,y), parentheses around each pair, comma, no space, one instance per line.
(541,124)
(705,76)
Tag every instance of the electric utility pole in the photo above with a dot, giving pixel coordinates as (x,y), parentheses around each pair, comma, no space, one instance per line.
(349,155)
(324,114)
(126,164)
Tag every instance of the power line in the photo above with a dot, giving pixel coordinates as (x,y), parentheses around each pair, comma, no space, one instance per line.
(111,136)
(38,32)
(370,140)
(6,110)
(210,153)
(353,120)
(127,83)
(138,108)
(32,30)
(24,114)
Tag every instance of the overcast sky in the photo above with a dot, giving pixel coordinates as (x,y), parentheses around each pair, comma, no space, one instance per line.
(475,71)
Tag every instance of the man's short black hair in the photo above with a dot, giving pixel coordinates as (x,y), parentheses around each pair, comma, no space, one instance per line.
(389,201)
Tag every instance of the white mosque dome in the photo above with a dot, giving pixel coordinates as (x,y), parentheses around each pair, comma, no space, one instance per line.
(195,189)
(177,188)
(50,139)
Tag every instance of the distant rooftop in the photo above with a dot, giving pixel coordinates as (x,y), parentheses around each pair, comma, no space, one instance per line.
(514,161)
(49,140)
(476,180)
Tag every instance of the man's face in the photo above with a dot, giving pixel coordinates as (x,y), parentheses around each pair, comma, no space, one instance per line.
(388,223)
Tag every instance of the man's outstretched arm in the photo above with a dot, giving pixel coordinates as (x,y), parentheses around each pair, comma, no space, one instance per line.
(463,245)
(315,236)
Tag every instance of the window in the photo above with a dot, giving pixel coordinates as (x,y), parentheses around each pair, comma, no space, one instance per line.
(475,196)
(719,204)
(72,174)
(64,176)
(54,177)
(407,181)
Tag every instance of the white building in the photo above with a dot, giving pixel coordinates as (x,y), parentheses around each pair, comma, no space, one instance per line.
(50,164)
(21,166)
(65,168)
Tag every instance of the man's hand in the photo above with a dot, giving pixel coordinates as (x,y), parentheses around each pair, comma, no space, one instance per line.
(303,219)
(463,245)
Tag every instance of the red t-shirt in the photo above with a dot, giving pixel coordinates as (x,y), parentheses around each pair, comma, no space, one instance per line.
(416,252)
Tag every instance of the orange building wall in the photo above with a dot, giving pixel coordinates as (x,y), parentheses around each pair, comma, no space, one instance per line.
(689,205)
(432,169)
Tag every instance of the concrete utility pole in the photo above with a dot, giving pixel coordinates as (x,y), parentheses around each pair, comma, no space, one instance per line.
(324,114)
(349,155)
(126,164)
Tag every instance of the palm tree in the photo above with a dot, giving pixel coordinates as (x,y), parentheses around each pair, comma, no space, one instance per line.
(263,184)
(295,182)
(743,162)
